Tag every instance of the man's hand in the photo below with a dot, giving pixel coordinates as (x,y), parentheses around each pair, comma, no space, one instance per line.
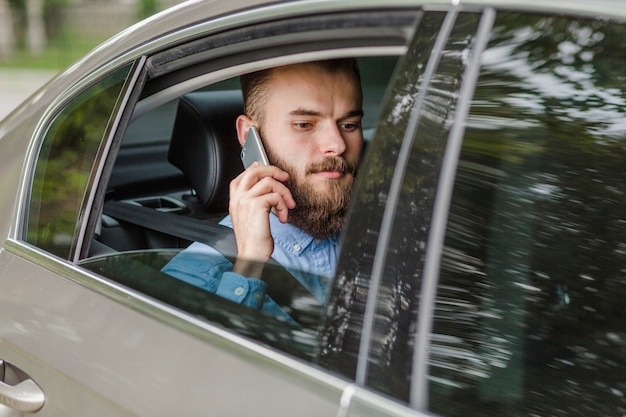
(253,194)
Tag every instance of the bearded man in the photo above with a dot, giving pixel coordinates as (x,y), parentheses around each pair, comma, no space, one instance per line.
(309,118)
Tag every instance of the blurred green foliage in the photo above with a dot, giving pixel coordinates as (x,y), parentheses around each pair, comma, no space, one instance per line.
(53,19)
(65,164)
(65,40)
(147,8)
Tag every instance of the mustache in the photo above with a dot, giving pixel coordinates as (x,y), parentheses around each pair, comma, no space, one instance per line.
(335,163)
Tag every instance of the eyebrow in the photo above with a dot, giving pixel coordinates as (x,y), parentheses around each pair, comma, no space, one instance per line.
(304,112)
(353,113)
(313,113)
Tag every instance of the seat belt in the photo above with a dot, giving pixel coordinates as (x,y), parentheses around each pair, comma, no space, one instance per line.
(222,238)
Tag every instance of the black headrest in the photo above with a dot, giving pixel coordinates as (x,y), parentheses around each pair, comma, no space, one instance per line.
(204,143)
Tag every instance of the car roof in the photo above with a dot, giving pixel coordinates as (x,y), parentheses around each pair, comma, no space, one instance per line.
(191,18)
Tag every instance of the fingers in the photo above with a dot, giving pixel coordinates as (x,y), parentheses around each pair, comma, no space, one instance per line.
(256,172)
(261,187)
(253,194)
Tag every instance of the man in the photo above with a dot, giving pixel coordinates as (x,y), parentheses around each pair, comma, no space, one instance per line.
(309,117)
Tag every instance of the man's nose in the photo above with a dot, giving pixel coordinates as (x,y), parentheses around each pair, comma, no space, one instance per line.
(332,141)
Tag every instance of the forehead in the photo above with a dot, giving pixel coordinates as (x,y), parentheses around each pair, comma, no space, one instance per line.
(308,81)
(307,88)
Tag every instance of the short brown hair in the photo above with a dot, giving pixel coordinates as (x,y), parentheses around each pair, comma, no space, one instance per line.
(254,85)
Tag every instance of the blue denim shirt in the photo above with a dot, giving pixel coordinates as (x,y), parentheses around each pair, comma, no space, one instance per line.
(309,260)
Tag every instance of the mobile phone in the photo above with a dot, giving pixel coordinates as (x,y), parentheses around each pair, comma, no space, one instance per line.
(253,150)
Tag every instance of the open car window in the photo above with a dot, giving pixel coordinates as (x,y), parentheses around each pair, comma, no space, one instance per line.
(169,188)
(170,170)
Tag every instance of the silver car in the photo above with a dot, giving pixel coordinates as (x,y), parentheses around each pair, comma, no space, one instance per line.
(482,269)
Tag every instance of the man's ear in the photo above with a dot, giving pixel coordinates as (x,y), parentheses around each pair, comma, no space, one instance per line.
(243,125)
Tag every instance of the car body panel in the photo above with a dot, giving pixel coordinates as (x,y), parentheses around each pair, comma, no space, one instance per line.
(54,336)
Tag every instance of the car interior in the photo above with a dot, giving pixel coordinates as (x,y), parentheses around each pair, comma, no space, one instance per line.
(202,158)
(169,185)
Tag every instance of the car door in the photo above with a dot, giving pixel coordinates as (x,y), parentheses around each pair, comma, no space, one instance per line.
(499,262)
(105,335)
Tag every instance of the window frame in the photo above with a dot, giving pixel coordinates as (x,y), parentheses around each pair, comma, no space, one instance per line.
(46,122)
(149,93)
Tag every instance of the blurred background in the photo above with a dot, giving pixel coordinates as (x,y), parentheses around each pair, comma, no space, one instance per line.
(40,37)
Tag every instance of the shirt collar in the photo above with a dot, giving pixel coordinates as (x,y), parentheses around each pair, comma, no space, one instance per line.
(292,238)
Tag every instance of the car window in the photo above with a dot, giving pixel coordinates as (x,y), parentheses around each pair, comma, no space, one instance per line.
(64,165)
(168,187)
(168,165)
(530,307)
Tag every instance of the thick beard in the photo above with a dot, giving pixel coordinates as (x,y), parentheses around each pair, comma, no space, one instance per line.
(320,214)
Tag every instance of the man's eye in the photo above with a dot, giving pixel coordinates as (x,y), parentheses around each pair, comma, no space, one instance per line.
(303,125)
(349,127)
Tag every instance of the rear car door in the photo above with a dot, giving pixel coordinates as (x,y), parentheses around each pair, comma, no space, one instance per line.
(101,332)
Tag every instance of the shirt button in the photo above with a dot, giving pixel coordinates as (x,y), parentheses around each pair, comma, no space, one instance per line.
(296,247)
(238,291)
(257,296)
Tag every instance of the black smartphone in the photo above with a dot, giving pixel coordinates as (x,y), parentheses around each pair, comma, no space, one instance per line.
(253,150)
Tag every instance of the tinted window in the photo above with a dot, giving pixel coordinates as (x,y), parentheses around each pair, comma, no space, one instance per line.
(530,309)
(65,162)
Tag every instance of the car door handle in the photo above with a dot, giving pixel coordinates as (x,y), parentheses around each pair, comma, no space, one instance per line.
(24,396)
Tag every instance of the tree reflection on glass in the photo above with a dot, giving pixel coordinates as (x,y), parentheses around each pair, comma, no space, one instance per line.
(64,165)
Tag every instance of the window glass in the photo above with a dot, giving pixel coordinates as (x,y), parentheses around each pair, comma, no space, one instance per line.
(142,271)
(64,165)
(530,312)
(392,344)
(346,313)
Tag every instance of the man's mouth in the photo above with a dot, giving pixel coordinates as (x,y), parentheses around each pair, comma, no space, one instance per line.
(331,168)
(330,174)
